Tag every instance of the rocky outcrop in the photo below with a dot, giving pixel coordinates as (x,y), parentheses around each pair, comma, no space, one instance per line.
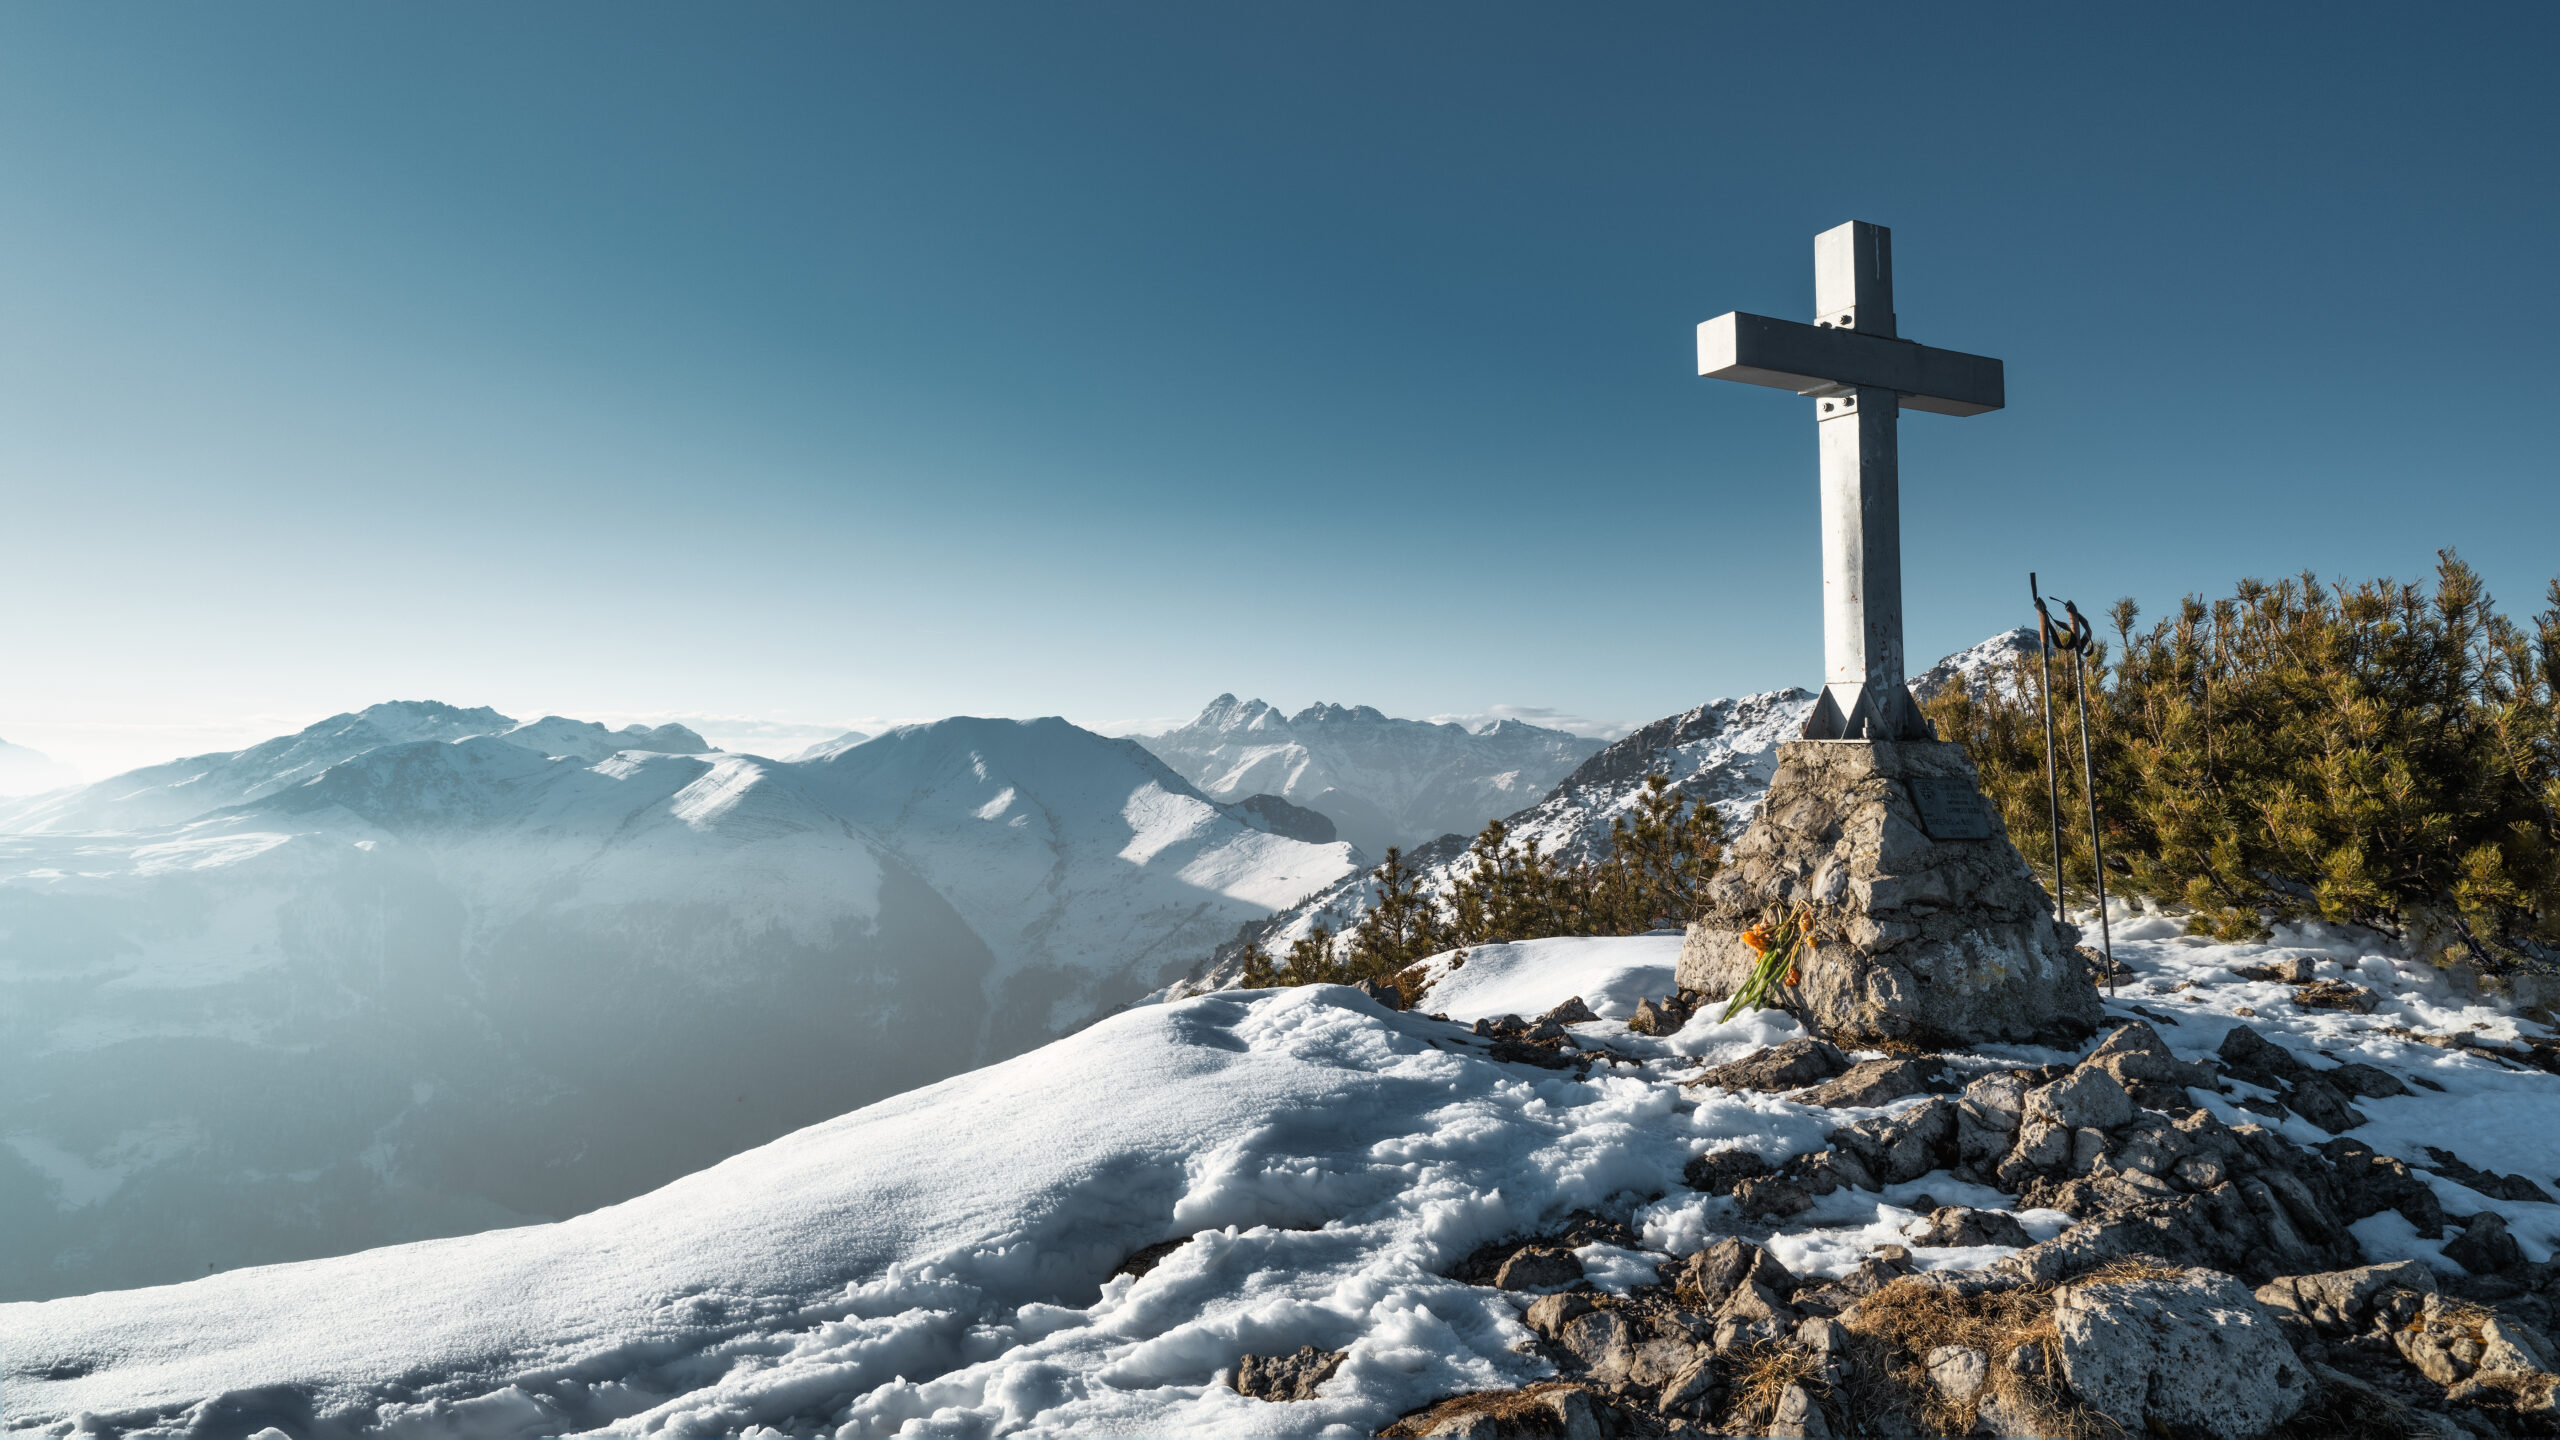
(1922,940)
(2187,1351)
(1283,1378)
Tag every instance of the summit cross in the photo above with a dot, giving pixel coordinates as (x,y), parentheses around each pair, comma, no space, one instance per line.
(1860,376)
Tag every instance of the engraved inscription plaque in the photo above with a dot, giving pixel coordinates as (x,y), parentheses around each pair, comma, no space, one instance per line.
(1950,809)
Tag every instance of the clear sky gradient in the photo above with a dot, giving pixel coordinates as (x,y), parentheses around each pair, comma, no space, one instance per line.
(784,367)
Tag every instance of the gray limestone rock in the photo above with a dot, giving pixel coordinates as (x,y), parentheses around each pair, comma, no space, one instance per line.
(1957,1372)
(1538,1267)
(1788,1065)
(1935,942)
(1903,1146)
(1286,1378)
(1797,1417)
(1548,1313)
(2484,1247)
(2189,1351)
(2088,1098)
(1951,1225)
(1603,1341)
(1870,1083)
(1718,1171)
(2339,1302)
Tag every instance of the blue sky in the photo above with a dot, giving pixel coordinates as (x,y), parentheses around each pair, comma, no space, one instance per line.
(798,366)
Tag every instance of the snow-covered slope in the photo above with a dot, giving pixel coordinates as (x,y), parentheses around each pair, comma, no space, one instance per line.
(1382,781)
(442,984)
(944,1260)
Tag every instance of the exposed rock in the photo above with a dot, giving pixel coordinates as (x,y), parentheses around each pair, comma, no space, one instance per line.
(1903,1146)
(2321,1103)
(1538,1267)
(2292,970)
(1718,1171)
(1787,1065)
(2337,995)
(1823,1171)
(2258,1060)
(1382,992)
(1552,1411)
(1548,1313)
(1731,1264)
(2369,1184)
(1987,1120)
(1957,1372)
(1282,1378)
(2340,1302)
(1650,1019)
(1957,1225)
(2087,1099)
(1571,1012)
(1146,1258)
(2186,1350)
(1942,943)
(2370,1081)
(1798,1417)
(2487,1182)
(2134,1053)
(1693,1391)
(1769,1195)
(1863,1279)
(1870,1083)
(2484,1247)
(1603,1341)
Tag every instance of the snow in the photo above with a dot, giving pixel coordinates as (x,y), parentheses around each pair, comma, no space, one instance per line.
(1530,976)
(2497,1117)
(940,1263)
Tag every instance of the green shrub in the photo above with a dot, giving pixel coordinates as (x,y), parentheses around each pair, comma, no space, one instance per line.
(2375,754)
(1654,873)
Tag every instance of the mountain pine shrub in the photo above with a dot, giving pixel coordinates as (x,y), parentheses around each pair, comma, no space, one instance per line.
(2381,754)
(1659,860)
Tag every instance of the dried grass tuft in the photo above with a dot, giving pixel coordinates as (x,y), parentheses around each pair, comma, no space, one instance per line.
(1901,1323)
(1765,1371)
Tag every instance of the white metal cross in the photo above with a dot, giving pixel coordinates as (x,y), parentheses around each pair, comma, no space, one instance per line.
(1860,375)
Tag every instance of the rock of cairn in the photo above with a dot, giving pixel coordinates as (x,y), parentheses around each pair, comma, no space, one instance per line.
(1935,940)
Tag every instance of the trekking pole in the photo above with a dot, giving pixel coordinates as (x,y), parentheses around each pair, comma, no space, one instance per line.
(2089,783)
(2052,779)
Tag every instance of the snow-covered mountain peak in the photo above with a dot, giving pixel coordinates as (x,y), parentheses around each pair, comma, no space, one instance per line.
(1381,780)
(558,735)
(1984,666)
(1326,713)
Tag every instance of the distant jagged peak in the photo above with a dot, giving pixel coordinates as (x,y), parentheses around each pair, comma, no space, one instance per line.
(1325,713)
(1227,713)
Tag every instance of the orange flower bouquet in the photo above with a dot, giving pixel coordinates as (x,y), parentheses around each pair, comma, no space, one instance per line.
(1779,948)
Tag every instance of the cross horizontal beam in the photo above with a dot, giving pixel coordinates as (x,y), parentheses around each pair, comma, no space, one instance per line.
(1787,355)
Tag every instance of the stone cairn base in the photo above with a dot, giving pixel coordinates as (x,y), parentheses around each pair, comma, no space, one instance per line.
(1930,929)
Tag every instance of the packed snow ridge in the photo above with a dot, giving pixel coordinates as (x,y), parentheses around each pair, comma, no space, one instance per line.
(1356,1213)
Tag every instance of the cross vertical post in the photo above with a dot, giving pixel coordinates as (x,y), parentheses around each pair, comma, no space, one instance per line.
(1864,696)
(1860,375)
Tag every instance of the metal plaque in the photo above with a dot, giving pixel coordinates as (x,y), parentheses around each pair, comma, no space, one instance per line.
(1950,809)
